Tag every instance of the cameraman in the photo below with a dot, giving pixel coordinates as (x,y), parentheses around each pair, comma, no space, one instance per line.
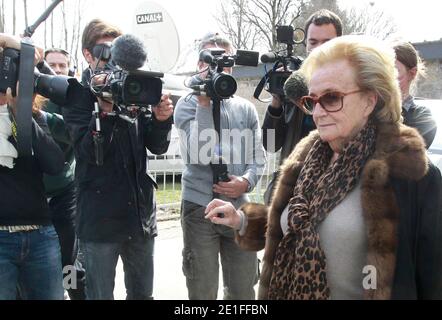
(204,242)
(60,189)
(285,124)
(30,258)
(116,206)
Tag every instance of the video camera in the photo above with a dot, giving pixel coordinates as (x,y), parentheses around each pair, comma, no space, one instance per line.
(274,80)
(120,80)
(219,85)
(53,87)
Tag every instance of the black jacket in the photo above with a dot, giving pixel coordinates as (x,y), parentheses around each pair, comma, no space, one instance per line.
(290,125)
(419,117)
(283,128)
(115,200)
(23,199)
(418,273)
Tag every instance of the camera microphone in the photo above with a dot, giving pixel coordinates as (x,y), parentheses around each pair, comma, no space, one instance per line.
(206,56)
(128,52)
(269,57)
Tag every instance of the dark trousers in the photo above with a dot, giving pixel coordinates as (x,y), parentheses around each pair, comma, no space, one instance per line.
(205,244)
(63,212)
(101,260)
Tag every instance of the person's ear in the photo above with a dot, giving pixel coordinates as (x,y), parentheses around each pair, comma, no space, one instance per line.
(88,56)
(413,73)
(372,100)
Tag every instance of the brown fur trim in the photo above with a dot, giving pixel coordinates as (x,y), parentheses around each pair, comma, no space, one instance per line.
(404,150)
(254,238)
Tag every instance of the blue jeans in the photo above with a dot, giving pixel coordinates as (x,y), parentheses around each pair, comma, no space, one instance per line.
(101,261)
(31,261)
(204,243)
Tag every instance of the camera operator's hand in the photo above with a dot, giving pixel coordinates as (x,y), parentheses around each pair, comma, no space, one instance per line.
(276,102)
(204,101)
(164,109)
(232,189)
(231,217)
(105,106)
(9,41)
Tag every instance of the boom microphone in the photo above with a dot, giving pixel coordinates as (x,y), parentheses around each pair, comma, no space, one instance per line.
(128,52)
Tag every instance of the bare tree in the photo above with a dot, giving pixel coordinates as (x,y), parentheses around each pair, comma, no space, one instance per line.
(263,16)
(369,21)
(234,23)
(2,17)
(77,32)
(52,29)
(65,27)
(14,16)
(25,7)
(45,36)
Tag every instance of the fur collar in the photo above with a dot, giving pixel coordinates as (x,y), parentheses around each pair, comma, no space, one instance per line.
(400,153)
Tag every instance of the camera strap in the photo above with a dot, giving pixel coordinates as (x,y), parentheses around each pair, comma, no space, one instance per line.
(260,86)
(25,97)
(217,166)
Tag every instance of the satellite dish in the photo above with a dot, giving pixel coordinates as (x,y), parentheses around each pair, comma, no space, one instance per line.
(155,27)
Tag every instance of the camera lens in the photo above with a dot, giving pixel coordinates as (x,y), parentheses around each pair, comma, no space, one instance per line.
(224,85)
(134,87)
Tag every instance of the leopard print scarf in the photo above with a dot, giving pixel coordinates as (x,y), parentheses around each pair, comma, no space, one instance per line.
(300,263)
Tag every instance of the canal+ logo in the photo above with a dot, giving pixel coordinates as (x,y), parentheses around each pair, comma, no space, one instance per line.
(150,18)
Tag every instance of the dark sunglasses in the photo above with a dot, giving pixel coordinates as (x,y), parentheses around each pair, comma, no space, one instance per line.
(332,101)
(102,51)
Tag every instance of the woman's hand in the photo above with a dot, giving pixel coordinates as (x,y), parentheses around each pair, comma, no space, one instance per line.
(230,217)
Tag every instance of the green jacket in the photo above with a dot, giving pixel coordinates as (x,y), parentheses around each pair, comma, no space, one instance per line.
(55,185)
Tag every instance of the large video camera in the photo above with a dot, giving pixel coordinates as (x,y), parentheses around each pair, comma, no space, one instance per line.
(121,82)
(274,80)
(52,87)
(219,85)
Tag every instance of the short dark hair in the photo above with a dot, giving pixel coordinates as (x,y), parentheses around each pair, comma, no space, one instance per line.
(295,86)
(57,50)
(95,30)
(213,38)
(322,17)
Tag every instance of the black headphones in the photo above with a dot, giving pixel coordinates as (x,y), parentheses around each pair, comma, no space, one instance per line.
(72,66)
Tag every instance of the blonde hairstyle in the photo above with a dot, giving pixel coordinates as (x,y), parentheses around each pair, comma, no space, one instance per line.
(38,104)
(374,65)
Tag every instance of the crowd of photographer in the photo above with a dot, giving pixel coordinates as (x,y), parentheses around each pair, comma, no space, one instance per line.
(79,197)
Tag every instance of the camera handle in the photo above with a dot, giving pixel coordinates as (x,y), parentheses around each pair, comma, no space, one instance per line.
(98,137)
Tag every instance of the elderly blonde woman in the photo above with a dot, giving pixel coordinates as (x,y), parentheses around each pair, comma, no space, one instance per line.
(357,209)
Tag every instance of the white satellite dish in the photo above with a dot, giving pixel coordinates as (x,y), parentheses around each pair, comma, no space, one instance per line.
(155,27)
